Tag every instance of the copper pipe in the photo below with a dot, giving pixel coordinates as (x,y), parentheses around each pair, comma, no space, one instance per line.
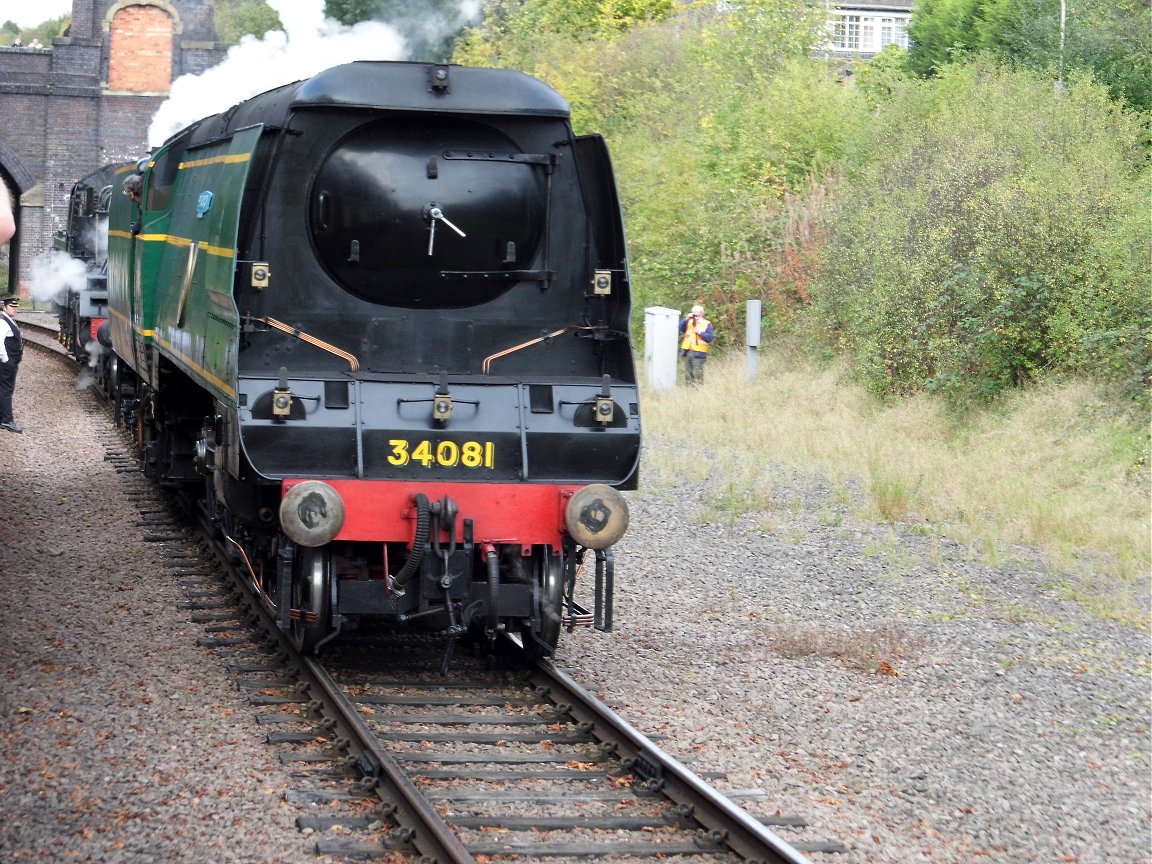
(487,365)
(311,340)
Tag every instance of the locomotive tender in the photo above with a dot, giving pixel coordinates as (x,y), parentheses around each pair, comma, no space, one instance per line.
(376,323)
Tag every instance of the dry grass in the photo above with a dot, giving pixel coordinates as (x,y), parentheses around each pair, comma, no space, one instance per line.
(1056,468)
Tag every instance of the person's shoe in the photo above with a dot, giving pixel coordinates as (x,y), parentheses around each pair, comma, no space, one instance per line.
(11,427)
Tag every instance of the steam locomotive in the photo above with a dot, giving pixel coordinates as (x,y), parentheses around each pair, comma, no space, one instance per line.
(82,305)
(376,323)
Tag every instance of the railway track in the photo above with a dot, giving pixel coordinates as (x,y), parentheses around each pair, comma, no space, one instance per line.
(393,762)
(41,330)
(480,763)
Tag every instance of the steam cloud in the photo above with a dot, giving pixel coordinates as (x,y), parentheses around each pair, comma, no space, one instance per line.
(53,274)
(87,375)
(308,44)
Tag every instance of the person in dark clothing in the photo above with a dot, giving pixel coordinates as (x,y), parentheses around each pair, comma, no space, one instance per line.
(134,189)
(11,350)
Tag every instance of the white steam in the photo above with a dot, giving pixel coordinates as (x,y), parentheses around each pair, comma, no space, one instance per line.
(53,274)
(308,44)
(87,376)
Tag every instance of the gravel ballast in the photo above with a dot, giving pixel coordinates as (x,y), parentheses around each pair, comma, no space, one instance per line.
(908,701)
(114,725)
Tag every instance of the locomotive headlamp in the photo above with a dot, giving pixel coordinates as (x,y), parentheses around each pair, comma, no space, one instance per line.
(605,409)
(442,401)
(596,516)
(281,403)
(261,274)
(602,282)
(441,408)
(312,513)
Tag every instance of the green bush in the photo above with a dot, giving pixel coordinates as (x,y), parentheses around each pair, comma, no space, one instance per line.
(236,19)
(995,233)
(964,234)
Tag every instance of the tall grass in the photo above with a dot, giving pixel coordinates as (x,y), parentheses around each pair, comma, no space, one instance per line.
(1056,471)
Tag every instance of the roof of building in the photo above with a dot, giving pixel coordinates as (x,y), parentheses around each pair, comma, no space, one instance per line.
(874,6)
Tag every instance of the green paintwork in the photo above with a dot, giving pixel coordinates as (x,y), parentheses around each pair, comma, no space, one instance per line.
(197,323)
(185,261)
(130,316)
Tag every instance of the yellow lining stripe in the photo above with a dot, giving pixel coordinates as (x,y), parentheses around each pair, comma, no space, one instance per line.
(182,242)
(199,370)
(116,313)
(227,388)
(226,159)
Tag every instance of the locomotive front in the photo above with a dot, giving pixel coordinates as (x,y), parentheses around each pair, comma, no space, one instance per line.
(429,405)
(81,309)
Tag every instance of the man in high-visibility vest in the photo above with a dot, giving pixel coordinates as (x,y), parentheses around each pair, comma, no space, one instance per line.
(698,333)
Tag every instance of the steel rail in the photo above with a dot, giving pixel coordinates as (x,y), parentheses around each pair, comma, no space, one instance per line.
(433,837)
(726,824)
(430,834)
(730,825)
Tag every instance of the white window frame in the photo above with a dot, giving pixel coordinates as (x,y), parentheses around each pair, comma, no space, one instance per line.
(846,33)
(855,31)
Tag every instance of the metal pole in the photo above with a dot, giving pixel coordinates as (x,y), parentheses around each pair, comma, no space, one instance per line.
(752,334)
(1063,21)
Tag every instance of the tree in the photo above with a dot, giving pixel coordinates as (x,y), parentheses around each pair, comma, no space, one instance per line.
(238,18)
(938,31)
(1110,38)
(350,11)
(43,32)
(998,232)
(511,27)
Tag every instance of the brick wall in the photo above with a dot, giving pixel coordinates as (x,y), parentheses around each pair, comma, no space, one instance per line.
(88,101)
(140,50)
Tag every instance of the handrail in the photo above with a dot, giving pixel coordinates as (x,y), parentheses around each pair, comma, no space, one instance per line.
(486,367)
(311,340)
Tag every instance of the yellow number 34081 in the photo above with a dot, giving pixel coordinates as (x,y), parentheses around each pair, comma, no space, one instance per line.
(449,454)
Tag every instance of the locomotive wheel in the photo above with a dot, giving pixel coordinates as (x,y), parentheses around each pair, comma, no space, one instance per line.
(311,606)
(548,576)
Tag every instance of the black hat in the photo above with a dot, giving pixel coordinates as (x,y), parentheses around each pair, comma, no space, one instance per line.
(11,301)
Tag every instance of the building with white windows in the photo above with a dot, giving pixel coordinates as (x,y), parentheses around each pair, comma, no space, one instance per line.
(860,30)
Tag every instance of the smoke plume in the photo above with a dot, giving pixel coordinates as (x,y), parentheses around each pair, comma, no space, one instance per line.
(308,44)
(52,275)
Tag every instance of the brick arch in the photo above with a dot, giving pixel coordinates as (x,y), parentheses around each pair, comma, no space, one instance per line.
(142,34)
(14,171)
(23,189)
